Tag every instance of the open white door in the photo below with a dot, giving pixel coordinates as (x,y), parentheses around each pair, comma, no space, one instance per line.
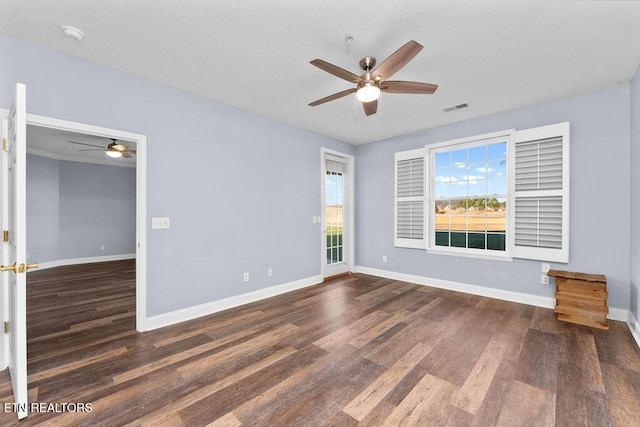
(14,246)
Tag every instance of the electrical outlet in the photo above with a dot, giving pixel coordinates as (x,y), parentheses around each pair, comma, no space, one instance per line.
(102,247)
(245,277)
(384,258)
(544,279)
(269,271)
(546,267)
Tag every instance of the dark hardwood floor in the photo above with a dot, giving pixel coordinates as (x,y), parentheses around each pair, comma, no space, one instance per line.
(357,350)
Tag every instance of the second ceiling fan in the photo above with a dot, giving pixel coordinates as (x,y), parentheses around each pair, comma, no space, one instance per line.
(112,150)
(373,81)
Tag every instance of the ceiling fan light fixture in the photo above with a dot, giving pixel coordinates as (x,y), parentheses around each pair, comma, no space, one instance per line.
(368,92)
(114,154)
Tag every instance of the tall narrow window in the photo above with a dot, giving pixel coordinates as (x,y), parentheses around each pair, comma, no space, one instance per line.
(470,195)
(334,211)
(409,199)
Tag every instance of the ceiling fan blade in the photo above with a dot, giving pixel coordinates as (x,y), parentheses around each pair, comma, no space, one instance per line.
(398,86)
(336,71)
(370,107)
(88,145)
(130,151)
(396,61)
(118,147)
(332,97)
(126,155)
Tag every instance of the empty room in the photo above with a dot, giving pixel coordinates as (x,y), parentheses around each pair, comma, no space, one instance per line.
(285,214)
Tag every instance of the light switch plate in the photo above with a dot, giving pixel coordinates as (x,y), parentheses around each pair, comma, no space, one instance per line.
(160,222)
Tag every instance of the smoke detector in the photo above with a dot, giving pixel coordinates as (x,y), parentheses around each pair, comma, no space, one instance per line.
(72,32)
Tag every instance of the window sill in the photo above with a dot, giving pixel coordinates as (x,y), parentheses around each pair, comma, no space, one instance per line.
(468,254)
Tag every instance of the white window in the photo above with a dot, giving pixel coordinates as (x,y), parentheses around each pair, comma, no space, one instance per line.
(499,195)
(469,196)
(410,199)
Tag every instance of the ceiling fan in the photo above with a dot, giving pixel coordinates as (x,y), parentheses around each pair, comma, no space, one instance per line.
(373,81)
(114,149)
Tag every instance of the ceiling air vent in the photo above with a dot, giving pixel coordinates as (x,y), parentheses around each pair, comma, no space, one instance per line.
(455,107)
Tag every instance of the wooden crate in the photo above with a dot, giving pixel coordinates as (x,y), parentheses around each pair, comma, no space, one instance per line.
(581,298)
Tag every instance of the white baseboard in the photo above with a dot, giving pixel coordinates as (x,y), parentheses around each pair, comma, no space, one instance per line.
(522,298)
(634,327)
(619,314)
(171,318)
(86,260)
(538,301)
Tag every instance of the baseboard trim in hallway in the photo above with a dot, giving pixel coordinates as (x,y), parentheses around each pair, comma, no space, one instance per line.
(84,260)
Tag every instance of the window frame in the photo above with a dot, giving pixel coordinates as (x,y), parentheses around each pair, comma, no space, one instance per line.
(451,145)
(512,137)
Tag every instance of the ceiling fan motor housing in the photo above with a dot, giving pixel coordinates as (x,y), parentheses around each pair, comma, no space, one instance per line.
(367,63)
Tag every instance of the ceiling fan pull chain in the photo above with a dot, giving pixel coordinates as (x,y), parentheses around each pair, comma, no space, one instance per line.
(355,108)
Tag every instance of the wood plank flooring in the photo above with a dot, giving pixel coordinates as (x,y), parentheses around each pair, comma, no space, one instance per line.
(356,350)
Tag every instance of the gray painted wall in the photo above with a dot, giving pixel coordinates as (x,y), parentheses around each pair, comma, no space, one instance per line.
(74,208)
(97,207)
(634,305)
(245,200)
(43,209)
(600,206)
(241,200)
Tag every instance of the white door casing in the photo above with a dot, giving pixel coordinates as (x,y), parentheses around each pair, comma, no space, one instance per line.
(141,196)
(337,213)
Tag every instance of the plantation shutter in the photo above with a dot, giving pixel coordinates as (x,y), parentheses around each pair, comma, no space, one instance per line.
(410,199)
(540,196)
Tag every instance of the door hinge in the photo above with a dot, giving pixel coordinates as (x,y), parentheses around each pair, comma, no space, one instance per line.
(5,235)
(4,144)
(6,327)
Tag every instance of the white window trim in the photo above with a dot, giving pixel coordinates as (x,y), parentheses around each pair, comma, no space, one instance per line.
(504,135)
(403,242)
(512,137)
(470,253)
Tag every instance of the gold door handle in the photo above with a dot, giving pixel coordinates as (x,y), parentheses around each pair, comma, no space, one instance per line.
(18,268)
(13,268)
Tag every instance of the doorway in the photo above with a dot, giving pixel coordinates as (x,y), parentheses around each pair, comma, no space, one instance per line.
(337,219)
(132,139)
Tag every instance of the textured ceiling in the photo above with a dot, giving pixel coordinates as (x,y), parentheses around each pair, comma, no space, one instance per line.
(493,55)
